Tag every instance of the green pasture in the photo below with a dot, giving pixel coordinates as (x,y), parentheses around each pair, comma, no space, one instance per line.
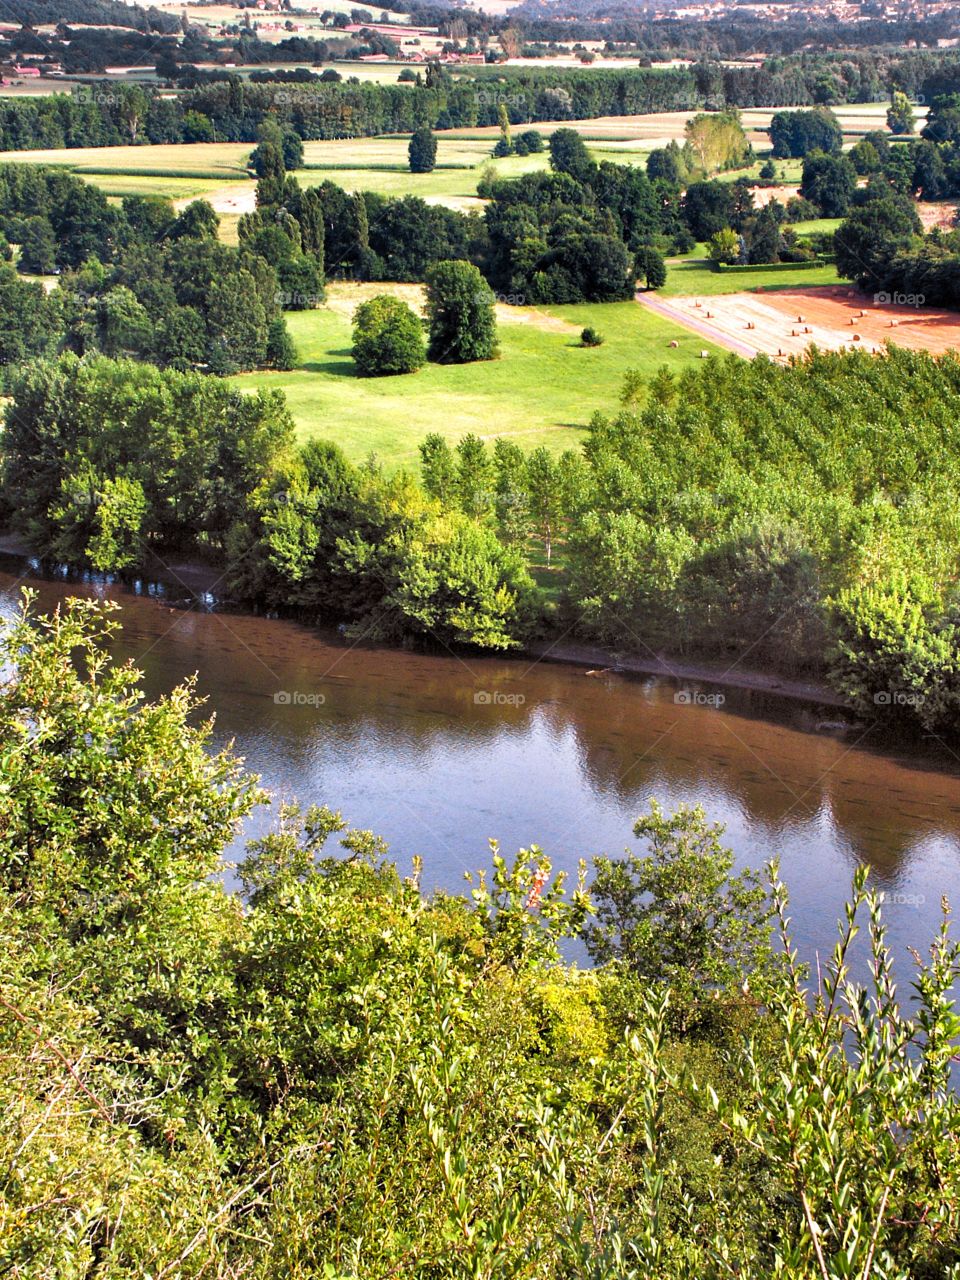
(541,391)
(693,276)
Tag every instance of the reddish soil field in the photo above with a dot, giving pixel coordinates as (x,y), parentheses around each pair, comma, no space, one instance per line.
(785,322)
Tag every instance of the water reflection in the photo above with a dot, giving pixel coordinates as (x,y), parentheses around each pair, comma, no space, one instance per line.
(437,753)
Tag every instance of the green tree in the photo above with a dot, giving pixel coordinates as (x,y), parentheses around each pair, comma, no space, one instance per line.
(460,312)
(900,116)
(281,350)
(674,915)
(423,150)
(650,267)
(475,478)
(387,337)
(545,496)
(569,154)
(438,468)
(829,181)
(38,247)
(724,246)
(765,238)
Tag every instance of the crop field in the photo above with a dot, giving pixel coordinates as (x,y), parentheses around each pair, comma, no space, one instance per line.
(217,161)
(542,391)
(785,322)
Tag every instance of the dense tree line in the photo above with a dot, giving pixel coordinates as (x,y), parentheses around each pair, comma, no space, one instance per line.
(108,461)
(142,280)
(107,13)
(881,245)
(332,1073)
(804,518)
(235,109)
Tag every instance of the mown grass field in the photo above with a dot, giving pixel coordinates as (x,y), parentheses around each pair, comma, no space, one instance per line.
(542,391)
(695,275)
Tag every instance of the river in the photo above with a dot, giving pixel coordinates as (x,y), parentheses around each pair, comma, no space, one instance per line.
(437,753)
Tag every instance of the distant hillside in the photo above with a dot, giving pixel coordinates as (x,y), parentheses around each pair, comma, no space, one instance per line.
(107,13)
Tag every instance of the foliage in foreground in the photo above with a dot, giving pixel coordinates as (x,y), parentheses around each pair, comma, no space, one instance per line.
(333,1075)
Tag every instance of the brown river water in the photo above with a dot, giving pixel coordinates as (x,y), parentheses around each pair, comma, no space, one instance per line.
(437,753)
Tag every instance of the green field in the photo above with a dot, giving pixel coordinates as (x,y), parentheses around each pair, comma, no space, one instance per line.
(542,390)
(695,275)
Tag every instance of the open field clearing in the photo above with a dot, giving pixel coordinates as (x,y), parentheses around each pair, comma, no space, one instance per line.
(786,322)
(215,160)
(542,390)
(941,213)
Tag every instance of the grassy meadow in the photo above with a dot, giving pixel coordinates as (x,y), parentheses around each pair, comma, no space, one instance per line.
(542,391)
(695,275)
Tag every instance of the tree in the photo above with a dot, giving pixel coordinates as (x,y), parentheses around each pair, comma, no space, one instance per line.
(387,337)
(38,247)
(674,915)
(198,221)
(900,117)
(281,351)
(503,120)
(797,133)
(864,158)
(943,119)
(423,150)
(651,267)
(545,490)
(829,182)
(665,164)
(569,154)
(765,238)
(717,140)
(27,325)
(460,312)
(708,207)
(475,485)
(724,246)
(438,468)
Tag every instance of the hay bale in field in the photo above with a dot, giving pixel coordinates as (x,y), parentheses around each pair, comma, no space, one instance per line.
(856,337)
(704,355)
(673,343)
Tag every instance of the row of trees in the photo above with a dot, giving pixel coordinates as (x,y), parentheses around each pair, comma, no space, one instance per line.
(233,109)
(106,462)
(332,1074)
(881,244)
(804,517)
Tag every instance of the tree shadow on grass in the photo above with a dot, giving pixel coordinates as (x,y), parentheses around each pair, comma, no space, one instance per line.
(335,368)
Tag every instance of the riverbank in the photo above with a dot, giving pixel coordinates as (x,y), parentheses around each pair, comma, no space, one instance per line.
(721,674)
(201,581)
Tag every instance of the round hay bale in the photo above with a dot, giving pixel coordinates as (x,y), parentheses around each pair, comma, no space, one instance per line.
(674,343)
(704,355)
(856,337)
